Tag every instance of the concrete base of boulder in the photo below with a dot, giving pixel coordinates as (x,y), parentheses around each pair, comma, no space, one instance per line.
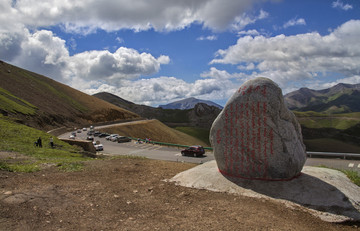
(326,193)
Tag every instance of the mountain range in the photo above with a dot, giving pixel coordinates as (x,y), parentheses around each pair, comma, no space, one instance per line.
(200,115)
(188,103)
(341,98)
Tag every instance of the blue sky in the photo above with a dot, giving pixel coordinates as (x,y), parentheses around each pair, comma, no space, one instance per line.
(159,51)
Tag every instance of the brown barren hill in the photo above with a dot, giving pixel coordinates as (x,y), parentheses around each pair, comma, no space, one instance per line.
(55,104)
(155,130)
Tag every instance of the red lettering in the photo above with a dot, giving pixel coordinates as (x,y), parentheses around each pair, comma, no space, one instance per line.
(249,90)
(271,136)
(264,108)
(263,92)
(237,150)
(218,136)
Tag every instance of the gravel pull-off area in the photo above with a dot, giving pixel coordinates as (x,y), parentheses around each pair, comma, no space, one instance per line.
(135,194)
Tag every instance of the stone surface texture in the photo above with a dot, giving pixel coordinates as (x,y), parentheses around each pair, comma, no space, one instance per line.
(256,136)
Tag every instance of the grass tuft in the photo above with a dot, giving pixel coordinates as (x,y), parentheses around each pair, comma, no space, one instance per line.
(353,176)
(71,166)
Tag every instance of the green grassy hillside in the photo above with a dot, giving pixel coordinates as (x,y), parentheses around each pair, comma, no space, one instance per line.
(330,132)
(311,119)
(19,154)
(200,133)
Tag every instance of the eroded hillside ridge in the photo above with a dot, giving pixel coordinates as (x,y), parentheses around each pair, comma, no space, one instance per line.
(41,102)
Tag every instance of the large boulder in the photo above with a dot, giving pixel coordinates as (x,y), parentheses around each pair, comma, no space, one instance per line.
(256,136)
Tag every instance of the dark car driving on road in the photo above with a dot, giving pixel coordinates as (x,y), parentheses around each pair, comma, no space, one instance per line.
(195,151)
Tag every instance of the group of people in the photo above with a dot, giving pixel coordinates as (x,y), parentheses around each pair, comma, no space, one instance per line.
(147,140)
(38,142)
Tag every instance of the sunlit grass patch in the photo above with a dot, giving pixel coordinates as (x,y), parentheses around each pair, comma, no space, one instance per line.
(19,167)
(11,103)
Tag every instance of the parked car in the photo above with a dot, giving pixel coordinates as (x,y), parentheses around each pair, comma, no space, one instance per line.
(90,138)
(122,139)
(114,138)
(110,136)
(84,129)
(97,133)
(104,135)
(73,133)
(195,151)
(72,137)
(99,147)
(79,131)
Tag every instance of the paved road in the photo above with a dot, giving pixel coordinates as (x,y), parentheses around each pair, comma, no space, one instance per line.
(147,150)
(173,154)
(335,163)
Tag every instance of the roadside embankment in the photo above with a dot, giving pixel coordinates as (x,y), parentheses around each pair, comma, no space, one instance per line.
(86,145)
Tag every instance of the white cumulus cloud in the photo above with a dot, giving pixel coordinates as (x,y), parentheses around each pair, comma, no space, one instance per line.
(161,90)
(45,53)
(308,56)
(86,16)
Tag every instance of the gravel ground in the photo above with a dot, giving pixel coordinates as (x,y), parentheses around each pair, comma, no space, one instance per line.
(134,194)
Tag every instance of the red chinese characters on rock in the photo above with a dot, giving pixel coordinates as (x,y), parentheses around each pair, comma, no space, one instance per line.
(246,136)
(249,89)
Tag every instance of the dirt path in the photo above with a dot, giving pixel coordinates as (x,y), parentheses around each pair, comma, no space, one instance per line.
(130,194)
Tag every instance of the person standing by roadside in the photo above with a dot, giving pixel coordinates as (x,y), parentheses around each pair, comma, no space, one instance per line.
(39,142)
(51,142)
